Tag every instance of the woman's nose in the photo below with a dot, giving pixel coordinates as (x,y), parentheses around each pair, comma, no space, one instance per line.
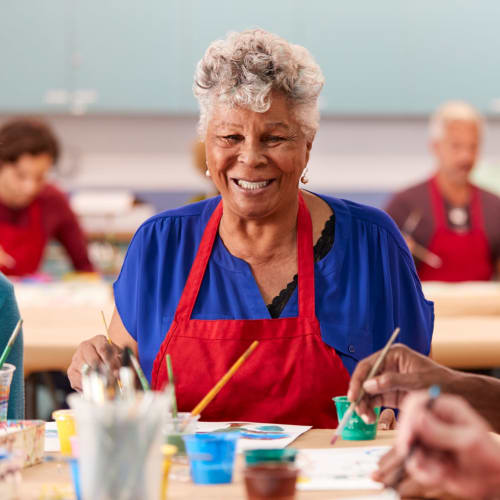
(251,154)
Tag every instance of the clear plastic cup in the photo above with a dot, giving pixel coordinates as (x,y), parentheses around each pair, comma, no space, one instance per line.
(211,457)
(120,446)
(6,373)
(183,425)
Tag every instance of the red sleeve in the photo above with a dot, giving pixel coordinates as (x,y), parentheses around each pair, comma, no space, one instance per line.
(61,224)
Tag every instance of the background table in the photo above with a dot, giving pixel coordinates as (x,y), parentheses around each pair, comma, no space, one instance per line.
(36,477)
(466,332)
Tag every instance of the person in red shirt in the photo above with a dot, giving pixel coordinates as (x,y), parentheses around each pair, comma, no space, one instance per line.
(32,211)
(451,225)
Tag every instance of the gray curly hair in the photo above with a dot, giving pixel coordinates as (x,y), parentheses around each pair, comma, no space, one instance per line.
(246,67)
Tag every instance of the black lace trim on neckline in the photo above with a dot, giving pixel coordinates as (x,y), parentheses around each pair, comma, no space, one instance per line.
(322,247)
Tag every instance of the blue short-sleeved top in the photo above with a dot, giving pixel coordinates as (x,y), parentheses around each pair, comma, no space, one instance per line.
(365,286)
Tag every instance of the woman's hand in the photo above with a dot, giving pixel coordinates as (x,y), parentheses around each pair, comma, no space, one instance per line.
(456,452)
(403,370)
(387,420)
(96,350)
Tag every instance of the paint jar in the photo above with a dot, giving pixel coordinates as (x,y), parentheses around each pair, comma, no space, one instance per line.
(168,451)
(271,480)
(356,429)
(253,457)
(65,421)
(182,425)
(120,446)
(75,475)
(211,457)
(6,373)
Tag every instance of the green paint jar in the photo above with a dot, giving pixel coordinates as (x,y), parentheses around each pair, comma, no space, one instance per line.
(356,429)
(253,457)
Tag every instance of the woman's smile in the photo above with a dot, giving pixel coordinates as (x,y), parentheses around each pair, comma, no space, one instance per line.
(252,186)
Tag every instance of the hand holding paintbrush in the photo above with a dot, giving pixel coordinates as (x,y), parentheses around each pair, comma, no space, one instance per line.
(373,371)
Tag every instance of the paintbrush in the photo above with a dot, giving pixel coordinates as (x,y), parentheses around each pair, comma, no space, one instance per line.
(137,367)
(434,392)
(10,343)
(419,251)
(219,385)
(222,382)
(372,373)
(110,342)
(171,381)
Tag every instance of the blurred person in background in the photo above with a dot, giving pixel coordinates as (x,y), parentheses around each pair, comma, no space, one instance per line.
(451,226)
(32,211)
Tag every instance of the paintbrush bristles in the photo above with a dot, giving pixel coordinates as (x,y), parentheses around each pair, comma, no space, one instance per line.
(372,373)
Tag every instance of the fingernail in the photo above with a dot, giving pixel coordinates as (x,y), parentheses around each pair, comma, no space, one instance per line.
(370,385)
(349,395)
(365,418)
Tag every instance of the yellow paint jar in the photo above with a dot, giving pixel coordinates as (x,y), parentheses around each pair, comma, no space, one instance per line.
(168,451)
(65,429)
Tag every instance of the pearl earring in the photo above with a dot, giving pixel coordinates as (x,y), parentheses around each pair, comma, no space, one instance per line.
(304,179)
(207,172)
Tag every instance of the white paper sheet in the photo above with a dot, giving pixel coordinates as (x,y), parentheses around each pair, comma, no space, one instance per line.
(51,437)
(339,468)
(262,435)
(386,495)
(258,435)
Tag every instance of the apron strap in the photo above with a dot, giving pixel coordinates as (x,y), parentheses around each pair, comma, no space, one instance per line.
(437,204)
(305,261)
(476,210)
(195,278)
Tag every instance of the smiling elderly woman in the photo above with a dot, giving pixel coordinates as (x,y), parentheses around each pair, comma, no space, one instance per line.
(319,281)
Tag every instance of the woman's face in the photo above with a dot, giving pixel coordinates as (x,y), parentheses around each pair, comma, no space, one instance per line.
(256,159)
(22,181)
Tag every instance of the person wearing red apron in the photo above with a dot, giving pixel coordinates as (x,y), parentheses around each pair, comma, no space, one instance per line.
(292,375)
(25,244)
(465,255)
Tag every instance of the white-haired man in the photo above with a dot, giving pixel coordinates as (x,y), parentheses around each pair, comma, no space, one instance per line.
(450,225)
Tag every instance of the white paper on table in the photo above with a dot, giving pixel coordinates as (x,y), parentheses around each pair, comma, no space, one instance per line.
(385,495)
(292,432)
(51,437)
(339,468)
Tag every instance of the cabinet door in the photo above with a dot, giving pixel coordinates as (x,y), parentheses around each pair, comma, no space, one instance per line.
(34,57)
(390,57)
(127,56)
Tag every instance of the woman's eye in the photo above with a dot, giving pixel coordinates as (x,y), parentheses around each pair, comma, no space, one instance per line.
(232,137)
(274,138)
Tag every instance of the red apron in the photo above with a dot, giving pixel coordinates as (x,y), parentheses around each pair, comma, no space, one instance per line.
(25,244)
(465,256)
(292,375)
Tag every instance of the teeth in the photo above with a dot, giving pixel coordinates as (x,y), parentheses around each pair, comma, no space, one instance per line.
(252,185)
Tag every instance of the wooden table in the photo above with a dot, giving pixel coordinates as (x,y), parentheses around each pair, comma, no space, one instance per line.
(43,475)
(467,342)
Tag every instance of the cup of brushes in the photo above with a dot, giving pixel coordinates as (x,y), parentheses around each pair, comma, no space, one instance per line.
(120,433)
